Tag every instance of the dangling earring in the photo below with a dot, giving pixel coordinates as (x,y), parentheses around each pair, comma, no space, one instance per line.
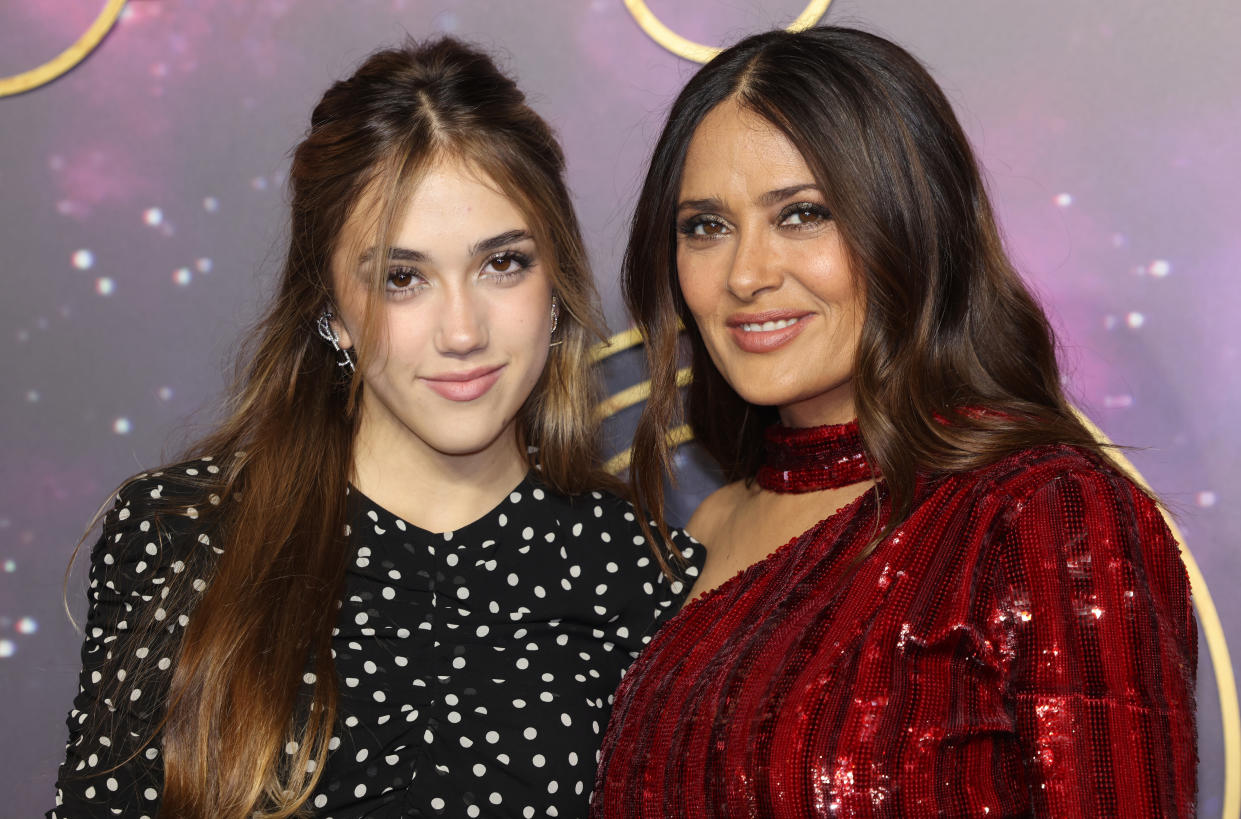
(555,321)
(329,335)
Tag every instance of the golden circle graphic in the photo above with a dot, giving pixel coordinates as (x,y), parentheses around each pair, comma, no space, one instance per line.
(1208,615)
(67,59)
(698,52)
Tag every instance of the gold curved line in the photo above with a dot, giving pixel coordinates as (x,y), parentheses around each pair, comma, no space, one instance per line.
(620,461)
(67,59)
(1212,630)
(633,395)
(619,342)
(698,52)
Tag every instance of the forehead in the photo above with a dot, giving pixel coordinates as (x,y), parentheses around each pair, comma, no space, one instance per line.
(451,198)
(735,150)
(454,197)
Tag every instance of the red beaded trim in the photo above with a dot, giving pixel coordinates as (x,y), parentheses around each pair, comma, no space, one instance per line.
(813,459)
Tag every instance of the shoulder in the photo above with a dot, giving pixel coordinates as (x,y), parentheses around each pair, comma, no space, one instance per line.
(716,510)
(1013,481)
(600,516)
(1062,497)
(157,519)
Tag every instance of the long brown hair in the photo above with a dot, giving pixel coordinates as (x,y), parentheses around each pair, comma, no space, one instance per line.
(956,364)
(276,509)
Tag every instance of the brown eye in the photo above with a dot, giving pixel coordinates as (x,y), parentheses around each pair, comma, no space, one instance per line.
(803,214)
(401,278)
(503,264)
(712,228)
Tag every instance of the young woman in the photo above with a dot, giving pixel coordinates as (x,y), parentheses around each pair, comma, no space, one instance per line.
(972,612)
(390,583)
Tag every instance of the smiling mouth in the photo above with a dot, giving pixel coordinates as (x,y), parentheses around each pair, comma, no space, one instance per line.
(465,386)
(768,326)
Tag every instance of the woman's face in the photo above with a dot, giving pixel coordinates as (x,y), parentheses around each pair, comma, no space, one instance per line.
(466,315)
(764,271)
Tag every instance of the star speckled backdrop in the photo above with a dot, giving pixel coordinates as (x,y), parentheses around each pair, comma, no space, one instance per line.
(141,222)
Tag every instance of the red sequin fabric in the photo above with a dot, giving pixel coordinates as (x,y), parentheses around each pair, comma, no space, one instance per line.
(1023,645)
(810,460)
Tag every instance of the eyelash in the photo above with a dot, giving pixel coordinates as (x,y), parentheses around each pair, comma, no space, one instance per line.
(522,262)
(805,207)
(689,226)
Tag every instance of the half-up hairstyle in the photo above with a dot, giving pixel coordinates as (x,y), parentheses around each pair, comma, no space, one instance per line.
(956,364)
(276,507)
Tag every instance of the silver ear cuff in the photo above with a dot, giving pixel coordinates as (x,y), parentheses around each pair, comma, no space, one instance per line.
(555,321)
(324,325)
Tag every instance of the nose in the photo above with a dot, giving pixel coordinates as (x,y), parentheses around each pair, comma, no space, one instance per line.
(755,265)
(462,323)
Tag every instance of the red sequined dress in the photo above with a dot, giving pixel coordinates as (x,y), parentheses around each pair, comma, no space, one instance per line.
(1023,645)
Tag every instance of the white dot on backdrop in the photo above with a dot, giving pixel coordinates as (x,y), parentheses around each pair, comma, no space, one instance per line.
(10,566)
(121,426)
(32,396)
(83,259)
(104,286)
(1159,268)
(1063,200)
(259,183)
(1135,320)
(211,204)
(153,216)
(1206,499)
(165,393)
(182,276)
(204,265)
(27,625)
(7,649)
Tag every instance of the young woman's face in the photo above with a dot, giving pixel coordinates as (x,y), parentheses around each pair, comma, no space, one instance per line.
(466,315)
(764,271)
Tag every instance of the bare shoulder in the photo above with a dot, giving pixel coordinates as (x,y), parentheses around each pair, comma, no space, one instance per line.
(716,510)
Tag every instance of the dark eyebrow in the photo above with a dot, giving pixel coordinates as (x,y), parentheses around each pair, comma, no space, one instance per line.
(398,254)
(766,200)
(497,242)
(404,254)
(772,197)
(701,204)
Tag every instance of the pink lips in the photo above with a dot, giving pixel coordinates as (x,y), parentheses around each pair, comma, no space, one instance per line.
(765,341)
(467,385)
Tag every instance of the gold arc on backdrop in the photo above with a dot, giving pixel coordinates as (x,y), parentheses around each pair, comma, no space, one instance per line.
(1208,615)
(67,59)
(698,52)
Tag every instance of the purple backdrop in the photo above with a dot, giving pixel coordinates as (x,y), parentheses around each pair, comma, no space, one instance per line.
(142,221)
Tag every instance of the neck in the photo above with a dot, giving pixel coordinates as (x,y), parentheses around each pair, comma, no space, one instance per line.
(433,490)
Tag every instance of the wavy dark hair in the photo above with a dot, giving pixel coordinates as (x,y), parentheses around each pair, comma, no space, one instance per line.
(276,508)
(956,363)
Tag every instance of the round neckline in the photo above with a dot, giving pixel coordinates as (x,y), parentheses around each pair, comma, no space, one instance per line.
(527,480)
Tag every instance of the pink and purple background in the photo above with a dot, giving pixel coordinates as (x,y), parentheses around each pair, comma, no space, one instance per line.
(142,219)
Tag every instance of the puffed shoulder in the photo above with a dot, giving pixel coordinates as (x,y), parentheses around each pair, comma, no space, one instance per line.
(155,527)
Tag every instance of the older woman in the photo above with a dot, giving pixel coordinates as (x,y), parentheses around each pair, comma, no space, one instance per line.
(928,592)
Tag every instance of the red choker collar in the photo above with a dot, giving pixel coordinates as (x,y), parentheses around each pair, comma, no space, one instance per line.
(813,459)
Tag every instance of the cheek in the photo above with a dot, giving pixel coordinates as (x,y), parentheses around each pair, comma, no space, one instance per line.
(697,288)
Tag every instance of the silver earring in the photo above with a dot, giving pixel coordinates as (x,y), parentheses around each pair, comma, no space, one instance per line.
(555,321)
(329,335)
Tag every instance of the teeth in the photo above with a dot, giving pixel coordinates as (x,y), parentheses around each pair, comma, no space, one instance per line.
(768,326)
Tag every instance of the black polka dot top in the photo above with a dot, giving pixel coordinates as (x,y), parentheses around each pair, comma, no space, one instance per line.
(476,667)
